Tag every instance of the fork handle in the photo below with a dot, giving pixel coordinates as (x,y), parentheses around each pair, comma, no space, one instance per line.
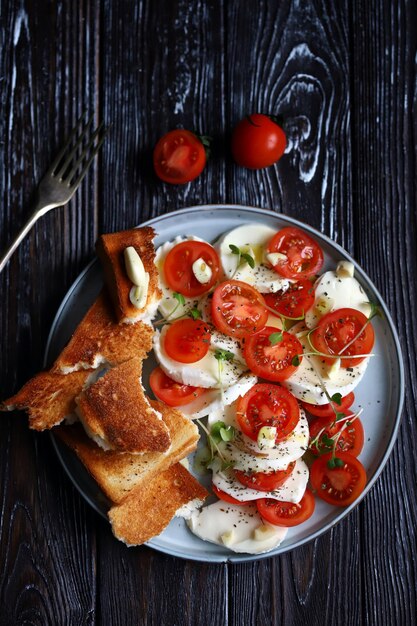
(23,232)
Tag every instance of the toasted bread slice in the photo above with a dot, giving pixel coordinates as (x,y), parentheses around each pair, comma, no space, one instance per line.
(117,474)
(147,511)
(110,250)
(100,339)
(48,398)
(116,413)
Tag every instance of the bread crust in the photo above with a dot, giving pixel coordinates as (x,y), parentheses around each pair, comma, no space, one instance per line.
(100,339)
(115,411)
(110,250)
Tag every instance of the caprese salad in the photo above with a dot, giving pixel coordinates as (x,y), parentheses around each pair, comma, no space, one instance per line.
(265,351)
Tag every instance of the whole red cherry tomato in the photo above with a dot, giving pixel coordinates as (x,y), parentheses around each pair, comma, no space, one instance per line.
(258,142)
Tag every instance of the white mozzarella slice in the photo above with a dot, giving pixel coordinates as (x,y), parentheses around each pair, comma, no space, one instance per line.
(237,525)
(169,303)
(251,239)
(342,292)
(307,381)
(286,451)
(213,400)
(202,373)
(291,491)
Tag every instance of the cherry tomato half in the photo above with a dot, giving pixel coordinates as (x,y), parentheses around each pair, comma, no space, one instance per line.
(294,302)
(350,440)
(171,392)
(269,359)
(337,329)
(267,405)
(264,481)
(326,410)
(238,309)
(338,485)
(286,513)
(179,156)
(222,495)
(258,142)
(178,267)
(187,340)
(301,256)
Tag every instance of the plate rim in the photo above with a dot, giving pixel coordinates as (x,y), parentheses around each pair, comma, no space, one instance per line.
(236,557)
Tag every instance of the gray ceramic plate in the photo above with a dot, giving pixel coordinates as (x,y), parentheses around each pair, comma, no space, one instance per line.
(380,393)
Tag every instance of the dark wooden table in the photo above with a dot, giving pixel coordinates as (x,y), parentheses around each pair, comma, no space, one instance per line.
(343,75)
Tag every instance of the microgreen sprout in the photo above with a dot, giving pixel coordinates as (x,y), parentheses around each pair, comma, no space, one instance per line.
(218,433)
(275,338)
(242,256)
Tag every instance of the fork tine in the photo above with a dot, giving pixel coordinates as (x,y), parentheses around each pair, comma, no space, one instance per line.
(83,172)
(68,158)
(71,138)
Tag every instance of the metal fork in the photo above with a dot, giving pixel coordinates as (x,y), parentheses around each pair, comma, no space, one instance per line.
(65,174)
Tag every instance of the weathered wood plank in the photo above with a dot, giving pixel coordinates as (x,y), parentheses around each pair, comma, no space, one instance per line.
(48,70)
(384,96)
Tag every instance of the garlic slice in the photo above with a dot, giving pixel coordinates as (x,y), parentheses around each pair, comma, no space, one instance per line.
(334,369)
(345,269)
(266,437)
(275,257)
(139,277)
(202,271)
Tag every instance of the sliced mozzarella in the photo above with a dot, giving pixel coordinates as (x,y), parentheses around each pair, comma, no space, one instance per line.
(202,373)
(340,292)
(238,525)
(214,400)
(291,491)
(285,451)
(251,239)
(168,302)
(312,374)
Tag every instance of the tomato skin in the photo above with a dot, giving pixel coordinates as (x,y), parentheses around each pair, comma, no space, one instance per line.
(286,513)
(178,271)
(272,362)
(257,142)
(351,439)
(187,340)
(304,257)
(340,486)
(336,329)
(170,392)
(325,410)
(267,405)
(222,495)
(179,157)
(238,309)
(294,302)
(264,481)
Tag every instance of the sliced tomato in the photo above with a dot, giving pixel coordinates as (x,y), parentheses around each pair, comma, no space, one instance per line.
(238,309)
(264,481)
(267,405)
(222,495)
(294,302)
(171,392)
(301,255)
(179,156)
(337,329)
(178,267)
(272,355)
(340,485)
(187,340)
(350,440)
(286,513)
(326,410)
